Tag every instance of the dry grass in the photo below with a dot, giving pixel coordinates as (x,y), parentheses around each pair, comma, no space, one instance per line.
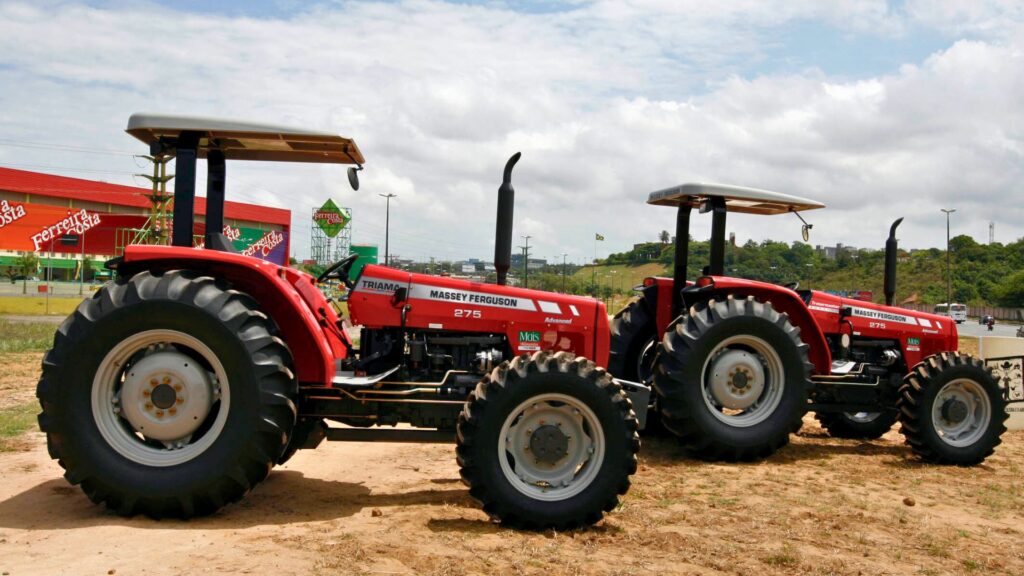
(37,306)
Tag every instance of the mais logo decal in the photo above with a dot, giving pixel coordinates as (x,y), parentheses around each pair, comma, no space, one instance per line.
(529,336)
(913,341)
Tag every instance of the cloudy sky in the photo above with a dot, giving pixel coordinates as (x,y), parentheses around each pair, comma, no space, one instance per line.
(878,109)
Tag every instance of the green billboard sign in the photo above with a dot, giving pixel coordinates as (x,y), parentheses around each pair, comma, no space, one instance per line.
(331,219)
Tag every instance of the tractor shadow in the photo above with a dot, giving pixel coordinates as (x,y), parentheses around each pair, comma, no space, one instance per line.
(666,451)
(284,497)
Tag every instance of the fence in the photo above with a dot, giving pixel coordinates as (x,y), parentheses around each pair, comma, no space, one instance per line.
(1006,314)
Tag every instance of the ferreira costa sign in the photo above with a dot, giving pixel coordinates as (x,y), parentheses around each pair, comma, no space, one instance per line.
(75,223)
(10,213)
(331,219)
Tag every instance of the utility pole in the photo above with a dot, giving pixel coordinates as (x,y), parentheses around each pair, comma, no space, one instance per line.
(949,278)
(387,226)
(526,262)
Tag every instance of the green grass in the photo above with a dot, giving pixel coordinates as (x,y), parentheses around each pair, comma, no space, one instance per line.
(36,305)
(14,421)
(25,336)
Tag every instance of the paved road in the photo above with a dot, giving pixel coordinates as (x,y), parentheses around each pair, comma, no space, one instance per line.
(972,328)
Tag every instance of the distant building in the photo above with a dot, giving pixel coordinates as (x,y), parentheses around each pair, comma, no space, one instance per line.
(534,263)
(831,252)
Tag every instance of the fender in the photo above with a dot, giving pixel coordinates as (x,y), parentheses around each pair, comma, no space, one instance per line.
(788,301)
(269,284)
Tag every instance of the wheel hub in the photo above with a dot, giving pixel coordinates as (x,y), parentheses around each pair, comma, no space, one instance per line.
(163,396)
(954,411)
(737,379)
(166,395)
(548,444)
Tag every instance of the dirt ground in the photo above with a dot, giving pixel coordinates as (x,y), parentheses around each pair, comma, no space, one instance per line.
(819,506)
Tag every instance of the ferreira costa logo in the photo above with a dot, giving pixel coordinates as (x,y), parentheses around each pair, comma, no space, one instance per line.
(8,213)
(77,222)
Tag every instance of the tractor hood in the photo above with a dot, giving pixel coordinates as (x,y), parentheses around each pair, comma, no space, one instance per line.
(533,319)
(869,320)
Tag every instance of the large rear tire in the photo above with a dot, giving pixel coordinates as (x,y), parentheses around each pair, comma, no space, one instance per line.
(167,395)
(547,441)
(732,379)
(857,425)
(951,410)
(633,342)
(633,349)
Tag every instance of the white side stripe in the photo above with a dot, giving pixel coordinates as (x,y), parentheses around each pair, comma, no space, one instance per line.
(575,312)
(549,307)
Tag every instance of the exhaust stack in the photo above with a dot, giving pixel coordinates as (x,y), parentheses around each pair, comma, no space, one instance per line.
(503,228)
(890,263)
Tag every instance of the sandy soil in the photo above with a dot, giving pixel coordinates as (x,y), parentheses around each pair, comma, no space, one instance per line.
(18,375)
(819,506)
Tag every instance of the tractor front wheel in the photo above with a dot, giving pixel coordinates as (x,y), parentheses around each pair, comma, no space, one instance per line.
(167,395)
(951,410)
(547,441)
(732,378)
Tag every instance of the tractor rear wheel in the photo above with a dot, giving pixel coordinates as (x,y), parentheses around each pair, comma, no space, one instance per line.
(857,425)
(732,379)
(951,410)
(634,346)
(547,441)
(167,395)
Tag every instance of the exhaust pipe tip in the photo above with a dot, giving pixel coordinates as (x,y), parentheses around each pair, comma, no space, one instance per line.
(503,226)
(891,245)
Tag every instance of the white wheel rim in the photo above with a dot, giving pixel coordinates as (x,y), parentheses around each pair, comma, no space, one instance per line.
(968,430)
(645,362)
(122,427)
(862,417)
(569,475)
(762,386)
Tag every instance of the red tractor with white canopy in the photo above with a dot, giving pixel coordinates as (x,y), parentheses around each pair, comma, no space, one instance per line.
(178,387)
(735,363)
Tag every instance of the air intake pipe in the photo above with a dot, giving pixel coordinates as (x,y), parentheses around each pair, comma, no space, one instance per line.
(503,229)
(890,263)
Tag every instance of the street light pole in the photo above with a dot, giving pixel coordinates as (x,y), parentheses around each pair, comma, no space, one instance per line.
(564,256)
(949,278)
(526,262)
(387,225)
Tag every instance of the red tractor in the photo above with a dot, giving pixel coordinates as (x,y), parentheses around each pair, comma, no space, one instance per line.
(735,364)
(186,378)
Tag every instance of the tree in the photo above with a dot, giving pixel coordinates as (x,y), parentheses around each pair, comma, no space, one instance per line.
(664,237)
(1010,292)
(27,264)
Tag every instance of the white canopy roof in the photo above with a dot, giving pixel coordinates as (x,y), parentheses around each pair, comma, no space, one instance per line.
(240,140)
(737,198)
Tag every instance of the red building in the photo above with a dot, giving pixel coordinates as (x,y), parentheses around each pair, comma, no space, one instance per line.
(65,219)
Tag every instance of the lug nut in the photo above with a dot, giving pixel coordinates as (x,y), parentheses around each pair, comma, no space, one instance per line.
(159,413)
(153,382)
(149,406)
(167,380)
(179,400)
(173,411)
(145,393)
(177,387)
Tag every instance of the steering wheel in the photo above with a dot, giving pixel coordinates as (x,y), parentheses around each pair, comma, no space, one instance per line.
(793,285)
(340,270)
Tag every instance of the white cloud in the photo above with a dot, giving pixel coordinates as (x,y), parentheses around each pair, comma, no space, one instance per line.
(606,100)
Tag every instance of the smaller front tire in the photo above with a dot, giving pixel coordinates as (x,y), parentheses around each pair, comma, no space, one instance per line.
(952,410)
(547,441)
